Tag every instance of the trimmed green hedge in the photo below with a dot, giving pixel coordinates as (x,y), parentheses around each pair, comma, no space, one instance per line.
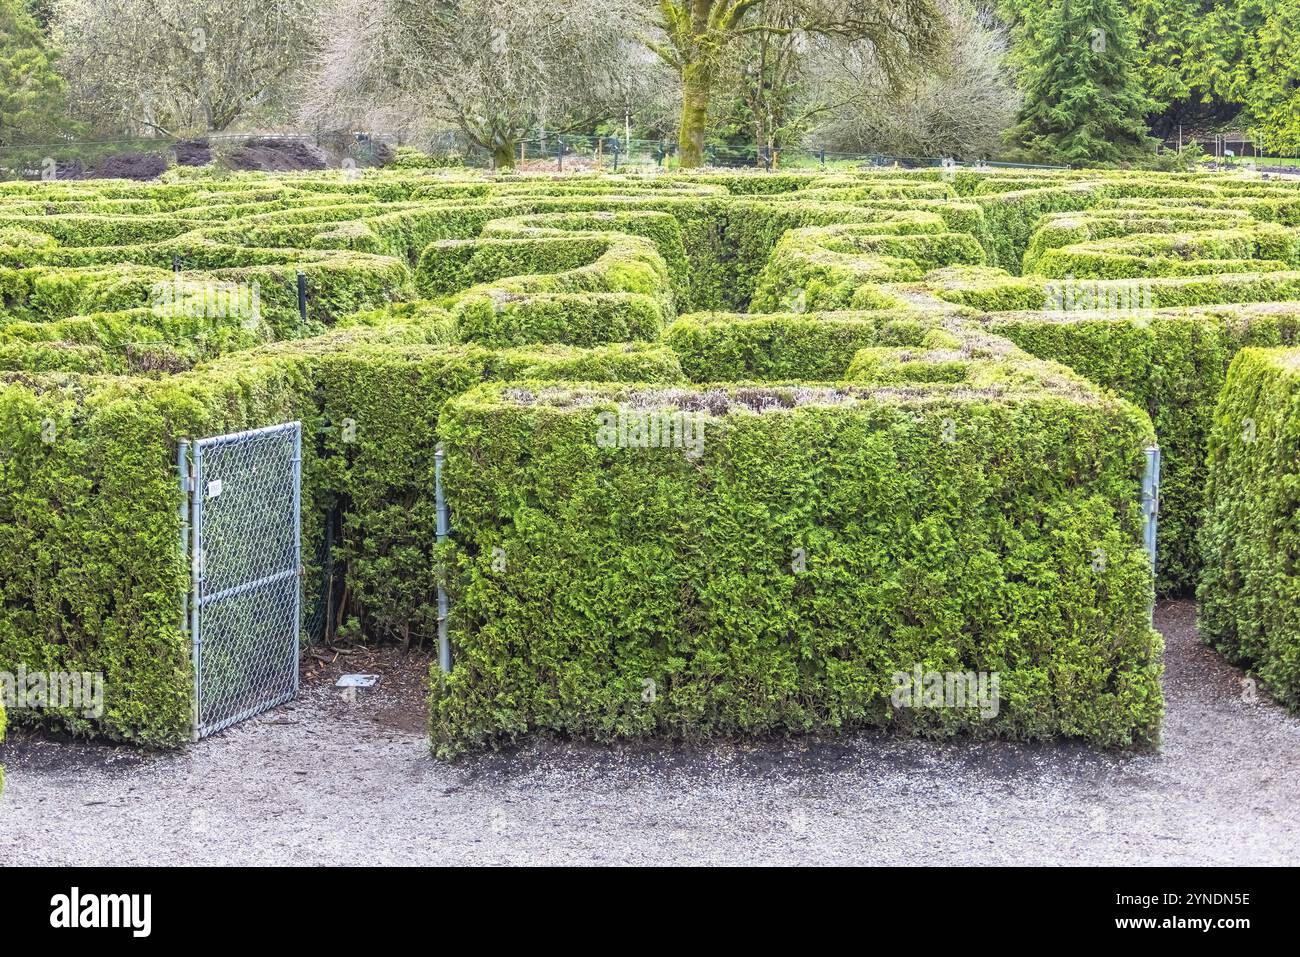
(1011,217)
(989,290)
(580,319)
(89,497)
(1058,230)
(1253,248)
(842,267)
(382,406)
(903,287)
(1249,596)
(453,265)
(738,347)
(1172,364)
(618,592)
(93,576)
(40,293)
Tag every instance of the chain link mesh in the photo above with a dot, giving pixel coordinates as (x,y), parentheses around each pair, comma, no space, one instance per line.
(247,589)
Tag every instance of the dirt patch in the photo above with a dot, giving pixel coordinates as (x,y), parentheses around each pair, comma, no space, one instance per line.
(399,698)
(138,166)
(274,154)
(70,170)
(193,153)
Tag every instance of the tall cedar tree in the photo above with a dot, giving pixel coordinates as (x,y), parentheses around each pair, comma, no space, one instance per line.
(31,93)
(1084,103)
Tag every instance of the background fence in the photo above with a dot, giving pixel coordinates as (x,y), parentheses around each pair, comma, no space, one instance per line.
(75,159)
(541,151)
(575,152)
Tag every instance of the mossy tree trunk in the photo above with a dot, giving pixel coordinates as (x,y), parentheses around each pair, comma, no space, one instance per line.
(697,80)
(697,31)
(503,156)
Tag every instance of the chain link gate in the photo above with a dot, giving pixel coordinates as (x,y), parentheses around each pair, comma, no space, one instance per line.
(243,538)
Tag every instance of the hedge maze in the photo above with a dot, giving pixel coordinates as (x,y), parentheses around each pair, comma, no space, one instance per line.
(724,453)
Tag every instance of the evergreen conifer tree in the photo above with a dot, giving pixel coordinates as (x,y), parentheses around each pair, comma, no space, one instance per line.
(1084,103)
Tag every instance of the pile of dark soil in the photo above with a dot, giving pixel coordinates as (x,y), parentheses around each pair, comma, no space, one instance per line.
(73,170)
(274,154)
(193,153)
(129,166)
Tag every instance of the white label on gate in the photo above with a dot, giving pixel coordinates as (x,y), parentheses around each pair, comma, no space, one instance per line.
(214,488)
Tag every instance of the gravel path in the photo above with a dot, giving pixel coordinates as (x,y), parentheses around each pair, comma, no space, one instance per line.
(322,780)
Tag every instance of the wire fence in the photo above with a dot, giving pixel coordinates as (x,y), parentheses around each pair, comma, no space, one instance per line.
(565,151)
(73,159)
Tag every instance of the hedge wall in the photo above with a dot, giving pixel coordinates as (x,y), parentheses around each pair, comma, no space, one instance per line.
(1011,218)
(618,592)
(579,319)
(1254,248)
(990,291)
(842,267)
(89,497)
(1249,594)
(1172,364)
(93,575)
(379,468)
(738,347)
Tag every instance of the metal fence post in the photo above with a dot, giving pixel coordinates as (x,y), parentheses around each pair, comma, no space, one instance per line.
(196,579)
(297,551)
(440,505)
(183,470)
(302,296)
(1151,508)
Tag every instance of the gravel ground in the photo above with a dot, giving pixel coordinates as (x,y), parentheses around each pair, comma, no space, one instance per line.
(324,780)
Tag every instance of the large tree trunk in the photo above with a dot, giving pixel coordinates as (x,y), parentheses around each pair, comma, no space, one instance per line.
(697,80)
(503,156)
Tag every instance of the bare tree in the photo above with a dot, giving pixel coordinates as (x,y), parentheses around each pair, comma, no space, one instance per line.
(178,65)
(768,71)
(771,75)
(959,106)
(495,69)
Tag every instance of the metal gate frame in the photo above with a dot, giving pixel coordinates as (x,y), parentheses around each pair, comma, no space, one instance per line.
(197,602)
(1151,514)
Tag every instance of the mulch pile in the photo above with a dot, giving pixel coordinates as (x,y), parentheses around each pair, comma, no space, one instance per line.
(274,154)
(129,166)
(193,153)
